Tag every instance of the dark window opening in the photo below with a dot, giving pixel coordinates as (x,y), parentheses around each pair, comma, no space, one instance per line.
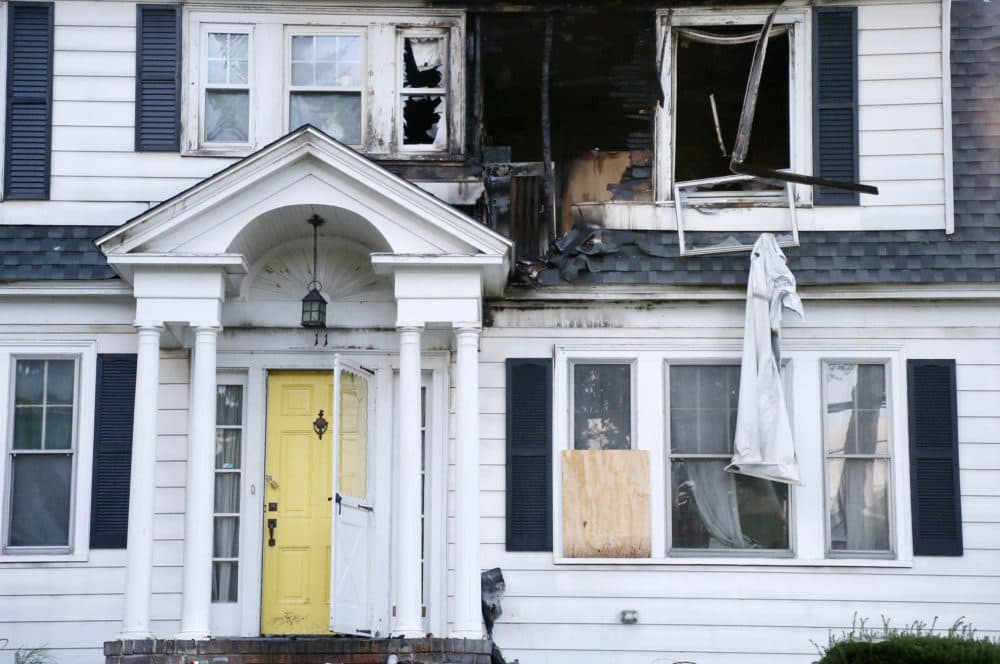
(704,70)
(423,90)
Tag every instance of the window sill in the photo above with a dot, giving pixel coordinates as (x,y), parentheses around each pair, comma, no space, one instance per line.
(34,558)
(698,561)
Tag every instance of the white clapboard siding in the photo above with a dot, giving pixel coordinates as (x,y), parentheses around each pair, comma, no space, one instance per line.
(73,608)
(722,612)
(891,142)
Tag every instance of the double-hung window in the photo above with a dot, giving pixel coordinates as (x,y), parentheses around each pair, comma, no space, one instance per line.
(226,114)
(41,455)
(388,83)
(423,89)
(710,508)
(325,84)
(858,458)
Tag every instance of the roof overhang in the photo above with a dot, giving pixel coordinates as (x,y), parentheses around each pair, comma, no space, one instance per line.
(200,225)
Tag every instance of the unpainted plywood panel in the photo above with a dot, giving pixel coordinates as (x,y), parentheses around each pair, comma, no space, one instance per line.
(606,504)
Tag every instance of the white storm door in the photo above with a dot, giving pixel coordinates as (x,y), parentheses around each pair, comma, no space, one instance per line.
(353,512)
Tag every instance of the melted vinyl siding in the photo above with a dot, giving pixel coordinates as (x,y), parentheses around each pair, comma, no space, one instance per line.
(724,614)
(72,608)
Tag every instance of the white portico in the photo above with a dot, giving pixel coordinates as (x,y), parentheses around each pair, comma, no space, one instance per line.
(234,251)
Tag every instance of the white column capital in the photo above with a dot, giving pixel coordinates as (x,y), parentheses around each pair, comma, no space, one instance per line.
(467,330)
(147,326)
(206,328)
(409,328)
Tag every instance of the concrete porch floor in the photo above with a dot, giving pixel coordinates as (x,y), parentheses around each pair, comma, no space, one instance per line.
(302,650)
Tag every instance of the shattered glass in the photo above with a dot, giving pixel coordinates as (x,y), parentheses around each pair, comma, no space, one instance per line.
(423,70)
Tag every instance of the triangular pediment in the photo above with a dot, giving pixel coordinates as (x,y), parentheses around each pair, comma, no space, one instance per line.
(305,168)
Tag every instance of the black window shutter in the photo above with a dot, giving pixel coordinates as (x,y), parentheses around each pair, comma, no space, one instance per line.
(835,101)
(112,450)
(529,454)
(29,100)
(934,487)
(157,78)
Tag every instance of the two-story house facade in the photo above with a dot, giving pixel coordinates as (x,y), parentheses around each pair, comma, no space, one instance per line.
(311,312)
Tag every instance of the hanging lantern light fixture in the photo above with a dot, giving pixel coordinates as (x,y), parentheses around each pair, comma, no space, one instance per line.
(314,304)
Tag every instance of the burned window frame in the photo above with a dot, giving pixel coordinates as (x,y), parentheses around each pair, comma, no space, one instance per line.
(798,22)
(270,56)
(402,92)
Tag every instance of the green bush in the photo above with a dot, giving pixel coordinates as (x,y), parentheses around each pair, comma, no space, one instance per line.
(914,644)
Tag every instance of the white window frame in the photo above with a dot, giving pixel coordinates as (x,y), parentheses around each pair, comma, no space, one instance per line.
(227,616)
(799,113)
(803,363)
(203,86)
(292,31)
(631,363)
(890,459)
(268,26)
(85,355)
(670,455)
(445,91)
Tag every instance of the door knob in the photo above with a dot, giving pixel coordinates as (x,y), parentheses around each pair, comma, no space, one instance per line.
(271,525)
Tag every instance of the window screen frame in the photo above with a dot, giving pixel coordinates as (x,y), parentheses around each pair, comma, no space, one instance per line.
(890,458)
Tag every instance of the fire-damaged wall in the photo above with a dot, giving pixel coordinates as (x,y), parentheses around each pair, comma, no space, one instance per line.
(602,89)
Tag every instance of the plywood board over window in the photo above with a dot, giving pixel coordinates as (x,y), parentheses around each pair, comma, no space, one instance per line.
(606,504)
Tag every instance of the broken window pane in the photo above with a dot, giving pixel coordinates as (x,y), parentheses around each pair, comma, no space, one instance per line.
(423,120)
(336,113)
(602,406)
(707,72)
(424,97)
(423,59)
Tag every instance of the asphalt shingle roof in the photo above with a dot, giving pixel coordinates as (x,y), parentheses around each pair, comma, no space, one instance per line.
(29,253)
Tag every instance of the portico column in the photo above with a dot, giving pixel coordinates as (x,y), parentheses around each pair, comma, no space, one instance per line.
(468,608)
(197,587)
(408,620)
(139,553)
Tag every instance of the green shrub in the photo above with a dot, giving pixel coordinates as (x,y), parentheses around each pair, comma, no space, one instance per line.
(916,643)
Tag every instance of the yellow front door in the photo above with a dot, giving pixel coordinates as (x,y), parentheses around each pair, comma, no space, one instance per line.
(298,504)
